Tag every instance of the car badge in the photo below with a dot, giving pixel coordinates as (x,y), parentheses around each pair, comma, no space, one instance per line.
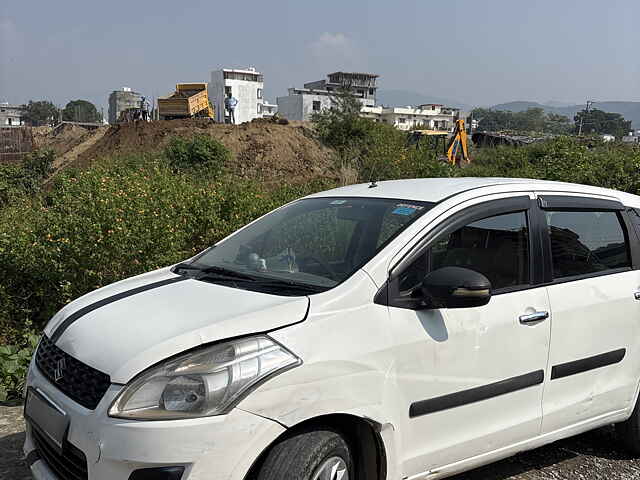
(58,372)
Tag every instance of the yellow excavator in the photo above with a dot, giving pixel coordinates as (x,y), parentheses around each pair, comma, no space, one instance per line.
(456,149)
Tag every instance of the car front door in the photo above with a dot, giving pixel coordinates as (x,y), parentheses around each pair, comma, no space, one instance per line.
(471,379)
(594,359)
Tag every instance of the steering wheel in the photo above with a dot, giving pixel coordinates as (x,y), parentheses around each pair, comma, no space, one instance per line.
(326,267)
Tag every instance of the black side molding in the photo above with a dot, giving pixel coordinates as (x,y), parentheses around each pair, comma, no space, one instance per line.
(106,301)
(477,394)
(586,364)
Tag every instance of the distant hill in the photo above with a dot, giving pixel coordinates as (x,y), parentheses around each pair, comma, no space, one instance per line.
(629,110)
(402,98)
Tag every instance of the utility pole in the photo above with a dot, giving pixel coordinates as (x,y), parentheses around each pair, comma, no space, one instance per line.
(586,112)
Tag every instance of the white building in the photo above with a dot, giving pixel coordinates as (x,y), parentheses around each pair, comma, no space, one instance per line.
(427,117)
(302,103)
(246,86)
(11,115)
(269,109)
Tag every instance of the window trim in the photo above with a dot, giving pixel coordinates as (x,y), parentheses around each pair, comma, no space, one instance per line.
(586,204)
(577,203)
(389,293)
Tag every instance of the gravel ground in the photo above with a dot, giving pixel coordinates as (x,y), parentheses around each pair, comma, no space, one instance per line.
(589,456)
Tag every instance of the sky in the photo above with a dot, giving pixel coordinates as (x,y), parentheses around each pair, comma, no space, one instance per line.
(476,52)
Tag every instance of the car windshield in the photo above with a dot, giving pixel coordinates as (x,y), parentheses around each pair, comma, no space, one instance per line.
(315,243)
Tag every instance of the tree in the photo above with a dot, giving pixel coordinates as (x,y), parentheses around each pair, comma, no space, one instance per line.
(81,111)
(531,120)
(41,112)
(601,122)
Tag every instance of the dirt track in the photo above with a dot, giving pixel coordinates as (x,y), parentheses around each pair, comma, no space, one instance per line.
(592,456)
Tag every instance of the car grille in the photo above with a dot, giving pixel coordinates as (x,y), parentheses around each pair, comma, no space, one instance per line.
(78,381)
(71,464)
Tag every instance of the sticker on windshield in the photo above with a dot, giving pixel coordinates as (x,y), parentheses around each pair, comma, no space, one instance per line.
(405,209)
(338,202)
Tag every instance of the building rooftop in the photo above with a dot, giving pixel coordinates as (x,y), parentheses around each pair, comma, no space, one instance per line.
(361,74)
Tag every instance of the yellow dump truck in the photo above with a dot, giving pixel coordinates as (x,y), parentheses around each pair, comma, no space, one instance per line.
(189,100)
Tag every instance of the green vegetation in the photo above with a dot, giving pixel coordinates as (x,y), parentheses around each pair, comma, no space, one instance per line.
(371,150)
(530,120)
(201,153)
(598,122)
(41,112)
(19,180)
(81,111)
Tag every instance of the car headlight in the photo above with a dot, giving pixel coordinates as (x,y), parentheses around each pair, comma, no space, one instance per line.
(204,382)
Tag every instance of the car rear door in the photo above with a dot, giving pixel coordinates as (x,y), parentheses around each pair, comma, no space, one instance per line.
(594,358)
(471,379)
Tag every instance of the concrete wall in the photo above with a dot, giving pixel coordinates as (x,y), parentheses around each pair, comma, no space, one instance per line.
(290,107)
(300,106)
(246,92)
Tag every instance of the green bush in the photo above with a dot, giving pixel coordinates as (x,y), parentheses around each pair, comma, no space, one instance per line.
(17,181)
(14,362)
(563,159)
(199,152)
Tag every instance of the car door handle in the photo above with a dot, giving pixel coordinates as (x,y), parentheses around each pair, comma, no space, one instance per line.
(533,317)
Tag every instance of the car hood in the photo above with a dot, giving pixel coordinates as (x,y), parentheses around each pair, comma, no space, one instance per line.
(122,334)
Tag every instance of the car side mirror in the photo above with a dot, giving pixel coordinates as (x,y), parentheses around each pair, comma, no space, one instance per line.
(455,287)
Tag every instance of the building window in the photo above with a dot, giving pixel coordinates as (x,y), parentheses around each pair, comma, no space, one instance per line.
(402,120)
(259,108)
(371,91)
(316,105)
(259,93)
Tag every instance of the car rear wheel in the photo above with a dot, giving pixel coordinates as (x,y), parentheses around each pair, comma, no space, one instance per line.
(309,455)
(629,431)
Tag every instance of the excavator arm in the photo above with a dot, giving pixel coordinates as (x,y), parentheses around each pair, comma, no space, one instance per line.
(458,148)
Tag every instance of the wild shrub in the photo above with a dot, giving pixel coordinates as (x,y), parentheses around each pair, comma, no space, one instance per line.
(14,362)
(199,152)
(25,178)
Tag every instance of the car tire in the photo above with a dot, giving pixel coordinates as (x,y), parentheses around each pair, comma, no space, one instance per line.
(321,454)
(628,432)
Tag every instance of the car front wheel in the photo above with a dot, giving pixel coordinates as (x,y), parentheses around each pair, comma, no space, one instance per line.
(309,455)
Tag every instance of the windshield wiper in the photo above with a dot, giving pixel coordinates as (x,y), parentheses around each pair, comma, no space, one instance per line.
(288,285)
(226,272)
(213,270)
(222,273)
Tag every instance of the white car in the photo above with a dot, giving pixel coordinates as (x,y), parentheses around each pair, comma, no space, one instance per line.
(407,329)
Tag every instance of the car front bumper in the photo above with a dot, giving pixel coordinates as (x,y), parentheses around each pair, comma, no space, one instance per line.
(213,448)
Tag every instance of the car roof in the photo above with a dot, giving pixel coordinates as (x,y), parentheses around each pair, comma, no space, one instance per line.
(438,189)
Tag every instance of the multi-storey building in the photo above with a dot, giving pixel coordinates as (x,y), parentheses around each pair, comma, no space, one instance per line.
(121,100)
(302,103)
(246,86)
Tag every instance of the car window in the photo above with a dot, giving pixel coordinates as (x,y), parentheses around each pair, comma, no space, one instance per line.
(497,247)
(586,242)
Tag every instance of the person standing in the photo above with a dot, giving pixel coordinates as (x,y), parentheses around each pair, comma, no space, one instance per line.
(230,103)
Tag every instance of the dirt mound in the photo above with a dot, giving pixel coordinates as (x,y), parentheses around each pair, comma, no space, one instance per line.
(61,139)
(263,151)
